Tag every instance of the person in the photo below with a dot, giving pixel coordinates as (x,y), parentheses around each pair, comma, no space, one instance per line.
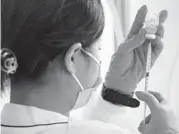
(50,59)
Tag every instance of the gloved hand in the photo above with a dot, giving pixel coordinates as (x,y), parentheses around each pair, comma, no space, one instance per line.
(162,119)
(128,64)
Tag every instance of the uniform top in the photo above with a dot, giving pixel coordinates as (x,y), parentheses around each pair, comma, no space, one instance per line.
(20,119)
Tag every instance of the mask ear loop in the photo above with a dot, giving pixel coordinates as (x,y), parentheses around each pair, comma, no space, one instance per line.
(92,56)
(99,64)
(78,82)
(75,77)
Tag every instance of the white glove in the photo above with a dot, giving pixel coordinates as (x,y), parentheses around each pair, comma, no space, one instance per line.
(128,64)
(162,119)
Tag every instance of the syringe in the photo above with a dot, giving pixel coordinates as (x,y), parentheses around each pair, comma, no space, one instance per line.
(150,25)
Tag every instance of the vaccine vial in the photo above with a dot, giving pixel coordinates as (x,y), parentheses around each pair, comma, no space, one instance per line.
(150,25)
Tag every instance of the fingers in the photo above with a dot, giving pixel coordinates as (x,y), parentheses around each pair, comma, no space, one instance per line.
(159,96)
(157,45)
(133,42)
(160,31)
(138,22)
(163,16)
(149,99)
(157,42)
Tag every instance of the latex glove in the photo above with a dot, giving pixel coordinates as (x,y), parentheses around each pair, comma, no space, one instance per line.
(128,64)
(162,119)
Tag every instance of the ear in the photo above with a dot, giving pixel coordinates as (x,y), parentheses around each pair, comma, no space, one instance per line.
(69,57)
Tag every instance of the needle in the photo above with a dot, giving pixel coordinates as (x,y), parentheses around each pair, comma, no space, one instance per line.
(148,67)
(151,28)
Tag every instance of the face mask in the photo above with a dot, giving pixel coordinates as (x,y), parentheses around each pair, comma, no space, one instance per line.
(85,94)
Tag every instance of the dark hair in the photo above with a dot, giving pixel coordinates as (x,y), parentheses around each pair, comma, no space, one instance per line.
(39,30)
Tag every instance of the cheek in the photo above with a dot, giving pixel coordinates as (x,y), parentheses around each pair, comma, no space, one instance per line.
(92,69)
(92,72)
(87,72)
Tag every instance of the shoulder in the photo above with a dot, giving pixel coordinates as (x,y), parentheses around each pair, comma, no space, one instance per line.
(93,127)
(32,120)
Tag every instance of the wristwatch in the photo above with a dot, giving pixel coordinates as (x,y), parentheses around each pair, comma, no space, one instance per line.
(117,98)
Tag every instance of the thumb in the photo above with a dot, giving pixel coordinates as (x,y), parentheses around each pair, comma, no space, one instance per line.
(149,99)
(134,41)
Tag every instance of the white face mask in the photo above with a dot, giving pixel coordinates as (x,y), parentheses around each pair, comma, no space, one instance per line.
(85,94)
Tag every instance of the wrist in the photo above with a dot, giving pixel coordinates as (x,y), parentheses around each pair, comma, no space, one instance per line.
(118,98)
(117,89)
(124,83)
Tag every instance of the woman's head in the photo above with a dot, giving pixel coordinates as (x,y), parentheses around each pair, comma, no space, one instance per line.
(47,37)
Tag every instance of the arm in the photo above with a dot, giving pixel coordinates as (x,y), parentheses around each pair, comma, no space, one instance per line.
(128,64)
